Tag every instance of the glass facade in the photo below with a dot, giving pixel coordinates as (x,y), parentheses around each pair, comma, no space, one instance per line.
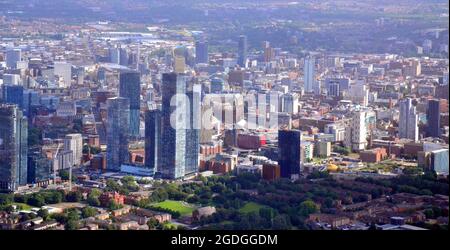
(117,131)
(289,152)
(13,147)
(130,87)
(433,118)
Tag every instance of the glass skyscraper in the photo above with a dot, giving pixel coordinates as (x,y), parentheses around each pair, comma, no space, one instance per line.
(152,135)
(13,94)
(130,87)
(13,147)
(117,132)
(242,51)
(289,153)
(433,118)
(179,143)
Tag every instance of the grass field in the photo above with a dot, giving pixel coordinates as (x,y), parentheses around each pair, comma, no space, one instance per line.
(23,205)
(185,209)
(251,207)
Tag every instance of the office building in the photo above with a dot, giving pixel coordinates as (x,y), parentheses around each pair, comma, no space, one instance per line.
(242,51)
(13,147)
(130,88)
(13,94)
(408,120)
(13,56)
(117,132)
(64,71)
(201,52)
(289,153)
(333,89)
(114,55)
(309,74)
(290,103)
(433,119)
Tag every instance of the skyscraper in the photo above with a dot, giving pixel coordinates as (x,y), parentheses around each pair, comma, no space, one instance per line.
(152,138)
(179,141)
(130,87)
(13,94)
(309,74)
(13,147)
(117,132)
(12,57)
(289,157)
(408,121)
(433,118)
(201,52)
(242,51)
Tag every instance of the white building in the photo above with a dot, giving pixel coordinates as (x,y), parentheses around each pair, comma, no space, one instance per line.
(356,133)
(408,121)
(63,70)
(359,94)
(74,142)
(11,79)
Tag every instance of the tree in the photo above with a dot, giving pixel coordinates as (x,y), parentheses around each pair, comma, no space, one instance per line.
(281,222)
(93,201)
(152,223)
(6,199)
(307,207)
(36,200)
(71,225)
(113,205)
(73,196)
(88,212)
(43,213)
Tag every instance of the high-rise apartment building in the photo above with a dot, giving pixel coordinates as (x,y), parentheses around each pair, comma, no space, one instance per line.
(179,140)
(117,132)
(13,147)
(408,121)
(130,88)
(74,142)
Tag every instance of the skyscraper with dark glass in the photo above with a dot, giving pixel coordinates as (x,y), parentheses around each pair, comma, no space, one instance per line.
(433,118)
(117,132)
(289,156)
(152,138)
(242,51)
(201,52)
(130,87)
(179,141)
(13,147)
(13,94)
